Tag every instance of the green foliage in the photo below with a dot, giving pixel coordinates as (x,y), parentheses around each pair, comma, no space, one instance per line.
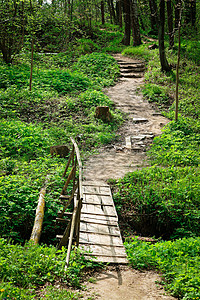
(161,202)
(19,196)
(179,145)
(139,52)
(99,67)
(179,261)
(31,266)
(191,50)
(19,139)
(156,93)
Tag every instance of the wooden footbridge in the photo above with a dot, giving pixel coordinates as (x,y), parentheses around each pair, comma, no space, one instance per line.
(93,224)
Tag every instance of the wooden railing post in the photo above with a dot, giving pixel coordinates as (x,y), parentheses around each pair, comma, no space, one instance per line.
(73,227)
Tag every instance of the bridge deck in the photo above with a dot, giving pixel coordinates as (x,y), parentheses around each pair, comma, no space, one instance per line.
(99,230)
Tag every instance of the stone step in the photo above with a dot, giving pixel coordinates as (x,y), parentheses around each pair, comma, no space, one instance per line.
(139,120)
(131,75)
(124,63)
(129,70)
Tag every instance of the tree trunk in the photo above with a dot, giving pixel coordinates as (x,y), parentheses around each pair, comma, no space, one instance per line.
(31,73)
(135,24)
(193,12)
(154,16)
(161,33)
(110,11)
(127,21)
(170,23)
(178,63)
(119,12)
(177,13)
(190,12)
(102,13)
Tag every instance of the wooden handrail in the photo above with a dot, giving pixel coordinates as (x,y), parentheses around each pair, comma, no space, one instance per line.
(73,227)
(79,166)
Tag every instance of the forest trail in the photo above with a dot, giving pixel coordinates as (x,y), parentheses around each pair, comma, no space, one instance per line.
(142,123)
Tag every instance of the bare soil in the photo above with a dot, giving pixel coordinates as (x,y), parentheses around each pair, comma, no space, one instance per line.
(142,124)
(124,283)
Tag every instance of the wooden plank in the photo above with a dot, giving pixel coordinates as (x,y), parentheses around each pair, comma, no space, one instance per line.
(96,214)
(100,244)
(101,222)
(105,251)
(99,239)
(97,203)
(96,194)
(99,228)
(111,260)
(99,218)
(99,233)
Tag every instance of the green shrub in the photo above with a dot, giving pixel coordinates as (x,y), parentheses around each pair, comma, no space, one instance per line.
(139,52)
(160,202)
(178,145)
(101,68)
(179,262)
(23,140)
(34,265)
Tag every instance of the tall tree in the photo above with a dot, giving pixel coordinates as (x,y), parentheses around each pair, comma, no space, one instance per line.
(135,23)
(154,16)
(119,12)
(177,13)
(102,13)
(190,12)
(127,22)
(161,34)
(170,23)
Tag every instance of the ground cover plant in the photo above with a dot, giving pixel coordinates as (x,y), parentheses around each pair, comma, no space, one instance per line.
(178,261)
(33,267)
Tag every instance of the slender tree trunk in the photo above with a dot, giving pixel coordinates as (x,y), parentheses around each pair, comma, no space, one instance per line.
(119,13)
(110,11)
(177,13)
(170,23)
(177,66)
(23,24)
(31,73)
(127,21)
(102,13)
(193,12)
(154,16)
(161,33)
(135,24)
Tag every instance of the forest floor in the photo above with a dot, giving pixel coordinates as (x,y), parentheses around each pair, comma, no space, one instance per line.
(143,122)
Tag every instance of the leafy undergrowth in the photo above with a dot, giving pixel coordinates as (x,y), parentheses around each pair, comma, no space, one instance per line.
(160,201)
(179,262)
(30,271)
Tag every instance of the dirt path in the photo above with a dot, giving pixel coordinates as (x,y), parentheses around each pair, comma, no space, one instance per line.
(142,124)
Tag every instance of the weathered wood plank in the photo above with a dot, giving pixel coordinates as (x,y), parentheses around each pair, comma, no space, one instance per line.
(99,230)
